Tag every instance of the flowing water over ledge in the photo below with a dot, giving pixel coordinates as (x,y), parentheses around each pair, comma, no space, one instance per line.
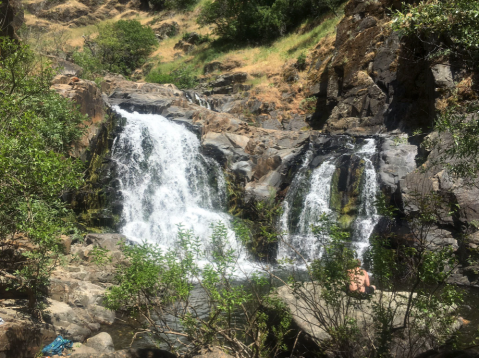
(165,181)
(310,195)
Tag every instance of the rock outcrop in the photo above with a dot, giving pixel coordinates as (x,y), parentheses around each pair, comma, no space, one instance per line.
(368,85)
(89,99)
(74,308)
(303,303)
(262,154)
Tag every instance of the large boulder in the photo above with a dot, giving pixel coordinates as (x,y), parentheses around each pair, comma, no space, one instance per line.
(102,343)
(20,336)
(397,159)
(303,302)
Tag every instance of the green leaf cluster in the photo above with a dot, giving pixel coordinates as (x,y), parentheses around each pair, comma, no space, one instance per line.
(120,47)
(451,25)
(260,20)
(183,77)
(37,129)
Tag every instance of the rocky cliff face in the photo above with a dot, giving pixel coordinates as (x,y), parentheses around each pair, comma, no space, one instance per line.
(369,84)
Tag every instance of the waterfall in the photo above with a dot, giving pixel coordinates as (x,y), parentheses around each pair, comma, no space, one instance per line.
(298,237)
(166,181)
(197,100)
(368,216)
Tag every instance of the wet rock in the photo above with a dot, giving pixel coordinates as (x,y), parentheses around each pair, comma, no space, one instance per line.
(396,160)
(243,170)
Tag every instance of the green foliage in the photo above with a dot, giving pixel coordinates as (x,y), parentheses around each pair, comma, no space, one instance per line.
(37,128)
(120,46)
(453,23)
(259,20)
(257,223)
(169,291)
(174,4)
(183,77)
(457,143)
(301,62)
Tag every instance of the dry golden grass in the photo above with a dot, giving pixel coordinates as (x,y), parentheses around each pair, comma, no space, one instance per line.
(264,64)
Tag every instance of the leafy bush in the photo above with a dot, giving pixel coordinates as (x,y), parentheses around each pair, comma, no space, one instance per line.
(160,289)
(259,20)
(37,128)
(120,47)
(453,24)
(173,4)
(182,77)
(301,62)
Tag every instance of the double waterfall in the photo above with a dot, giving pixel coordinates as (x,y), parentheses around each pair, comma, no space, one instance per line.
(165,181)
(301,211)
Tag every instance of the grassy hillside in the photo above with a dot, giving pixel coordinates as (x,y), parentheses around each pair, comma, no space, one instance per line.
(264,64)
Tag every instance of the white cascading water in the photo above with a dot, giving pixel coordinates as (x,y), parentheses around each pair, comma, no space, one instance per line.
(317,201)
(165,181)
(368,216)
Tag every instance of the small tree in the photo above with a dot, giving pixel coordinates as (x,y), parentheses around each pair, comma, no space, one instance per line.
(121,47)
(449,27)
(37,128)
(189,306)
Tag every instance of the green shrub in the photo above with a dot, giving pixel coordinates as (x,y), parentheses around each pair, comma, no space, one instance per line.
(174,4)
(183,77)
(37,129)
(260,20)
(301,62)
(120,47)
(453,23)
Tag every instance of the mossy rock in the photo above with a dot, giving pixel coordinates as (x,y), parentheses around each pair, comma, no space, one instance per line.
(345,221)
